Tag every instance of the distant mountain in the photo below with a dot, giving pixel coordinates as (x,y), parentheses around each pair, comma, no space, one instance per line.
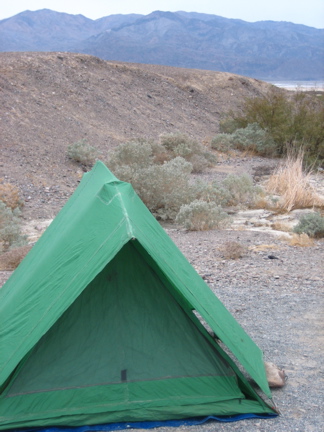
(267,49)
(46,30)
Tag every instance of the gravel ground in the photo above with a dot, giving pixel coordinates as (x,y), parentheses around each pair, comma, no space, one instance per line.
(279,302)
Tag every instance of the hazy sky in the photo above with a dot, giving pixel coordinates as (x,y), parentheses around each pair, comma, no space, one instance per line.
(308,12)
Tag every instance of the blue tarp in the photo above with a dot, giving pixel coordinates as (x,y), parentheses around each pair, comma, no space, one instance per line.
(147,425)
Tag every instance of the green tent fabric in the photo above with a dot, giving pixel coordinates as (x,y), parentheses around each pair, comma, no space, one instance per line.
(98,324)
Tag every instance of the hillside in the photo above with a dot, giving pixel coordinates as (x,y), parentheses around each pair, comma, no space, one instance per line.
(48,101)
(267,50)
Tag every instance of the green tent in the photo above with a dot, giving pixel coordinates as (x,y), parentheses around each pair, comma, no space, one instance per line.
(99,324)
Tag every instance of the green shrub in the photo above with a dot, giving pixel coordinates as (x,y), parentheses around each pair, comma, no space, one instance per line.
(179,144)
(162,187)
(136,154)
(241,190)
(83,153)
(199,163)
(212,192)
(10,231)
(254,138)
(202,215)
(291,120)
(311,224)
(158,173)
(189,149)
(222,142)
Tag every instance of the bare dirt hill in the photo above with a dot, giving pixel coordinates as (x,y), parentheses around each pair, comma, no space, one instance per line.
(48,101)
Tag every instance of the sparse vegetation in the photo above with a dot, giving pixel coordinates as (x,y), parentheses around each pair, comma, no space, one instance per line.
(301,240)
(163,187)
(241,190)
(83,153)
(295,121)
(233,250)
(201,216)
(255,140)
(252,139)
(160,172)
(10,231)
(222,142)
(162,178)
(292,183)
(311,224)
(189,149)
(281,226)
(212,192)
(9,194)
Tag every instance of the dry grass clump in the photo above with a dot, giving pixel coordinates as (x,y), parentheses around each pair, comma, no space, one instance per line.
(9,194)
(233,250)
(265,202)
(11,259)
(302,240)
(281,226)
(292,183)
(263,247)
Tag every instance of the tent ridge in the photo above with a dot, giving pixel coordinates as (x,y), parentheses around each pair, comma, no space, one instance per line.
(130,231)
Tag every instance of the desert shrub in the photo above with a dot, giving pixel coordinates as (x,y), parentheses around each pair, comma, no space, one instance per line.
(10,232)
(179,144)
(83,153)
(202,215)
(233,250)
(158,173)
(162,187)
(311,224)
(254,138)
(228,123)
(222,142)
(212,192)
(189,149)
(296,120)
(241,190)
(199,163)
(165,188)
(292,182)
(9,194)
(136,154)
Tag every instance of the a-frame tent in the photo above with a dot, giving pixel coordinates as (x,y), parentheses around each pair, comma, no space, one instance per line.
(98,324)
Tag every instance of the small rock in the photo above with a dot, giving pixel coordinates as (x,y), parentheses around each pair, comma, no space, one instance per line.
(276,377)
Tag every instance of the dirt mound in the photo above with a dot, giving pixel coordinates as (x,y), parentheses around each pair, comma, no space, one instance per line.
(48,101)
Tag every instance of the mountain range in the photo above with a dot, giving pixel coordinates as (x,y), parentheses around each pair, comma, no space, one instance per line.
(267,50)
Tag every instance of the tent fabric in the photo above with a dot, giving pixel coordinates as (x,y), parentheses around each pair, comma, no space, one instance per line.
(98,323)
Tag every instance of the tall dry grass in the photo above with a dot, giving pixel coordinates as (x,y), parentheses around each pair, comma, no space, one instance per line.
(292,183)
(301,240)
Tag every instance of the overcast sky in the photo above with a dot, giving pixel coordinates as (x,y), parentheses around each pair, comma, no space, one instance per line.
(308,12)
